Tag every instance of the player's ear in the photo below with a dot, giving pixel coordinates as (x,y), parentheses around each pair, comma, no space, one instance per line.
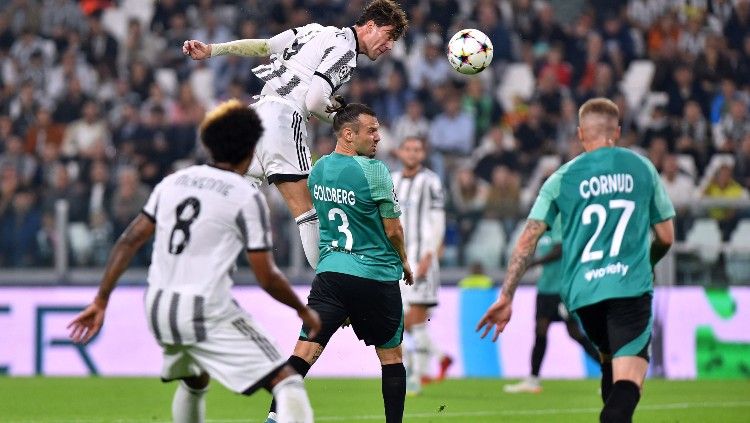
(579,131)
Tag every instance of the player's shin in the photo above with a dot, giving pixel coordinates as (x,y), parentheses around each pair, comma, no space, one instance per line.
(606,379)
(301,367)
(394,391)
(308,226)
(188,404)
(293,403)
(621,403)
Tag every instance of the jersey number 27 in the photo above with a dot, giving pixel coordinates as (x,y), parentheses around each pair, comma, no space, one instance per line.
(627,207)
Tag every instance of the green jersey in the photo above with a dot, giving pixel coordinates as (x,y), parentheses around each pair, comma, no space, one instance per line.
(551,278)
(607,200)
(352,194)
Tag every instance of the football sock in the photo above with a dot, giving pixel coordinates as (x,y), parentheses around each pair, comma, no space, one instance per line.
(606,380)
(423,349)
(394,391)
(537,354)
(300,366)
(621,403)
(308,226)
(409,356)
(188,404)
(293,403)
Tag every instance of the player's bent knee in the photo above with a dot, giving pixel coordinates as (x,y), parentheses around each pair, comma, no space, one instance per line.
(390,355)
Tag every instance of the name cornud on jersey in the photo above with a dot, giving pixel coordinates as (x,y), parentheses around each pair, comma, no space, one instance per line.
(606,184)
(335,195)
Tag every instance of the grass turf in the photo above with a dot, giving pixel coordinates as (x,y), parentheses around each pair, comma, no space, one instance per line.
(124,400)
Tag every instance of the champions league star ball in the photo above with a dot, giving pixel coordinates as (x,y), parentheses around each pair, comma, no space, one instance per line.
(470,51)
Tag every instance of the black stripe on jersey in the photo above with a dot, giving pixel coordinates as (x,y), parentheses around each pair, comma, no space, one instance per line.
(263,220)
(327,79)
(155,315)
(407,226)
(286,89)
(242,224)
(295,130)
(199,320)
(294,31)
(349,55)
(173,305)
(312,218)
(149,216)
(419,215)
(275,74)
(326,53)
(302,145)
(259,339)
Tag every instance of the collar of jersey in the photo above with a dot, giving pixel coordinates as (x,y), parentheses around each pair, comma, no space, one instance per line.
(356,40)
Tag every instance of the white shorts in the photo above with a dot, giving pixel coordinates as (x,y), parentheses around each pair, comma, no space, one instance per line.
(282,154)
(423,291)
(237,353)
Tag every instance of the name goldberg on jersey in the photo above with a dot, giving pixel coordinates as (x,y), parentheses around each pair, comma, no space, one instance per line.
(606,184)
(335,195)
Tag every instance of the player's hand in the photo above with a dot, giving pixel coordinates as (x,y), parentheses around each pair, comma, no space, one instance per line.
(408,276)
(88,322)
(310,320)
(337,103)
(197,50)
(423,267)
(497,316)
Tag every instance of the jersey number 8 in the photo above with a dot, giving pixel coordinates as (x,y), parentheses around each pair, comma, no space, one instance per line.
(186,213)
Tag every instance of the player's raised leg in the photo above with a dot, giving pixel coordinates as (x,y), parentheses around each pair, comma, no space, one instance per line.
(298,199)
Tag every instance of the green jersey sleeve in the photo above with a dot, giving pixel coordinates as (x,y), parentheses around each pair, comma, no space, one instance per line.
(545,208)
(381,187)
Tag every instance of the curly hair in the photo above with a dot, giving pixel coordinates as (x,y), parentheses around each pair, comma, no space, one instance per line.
(384,13)
(230,132)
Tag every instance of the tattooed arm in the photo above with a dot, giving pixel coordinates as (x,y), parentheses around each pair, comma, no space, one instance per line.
(498,315)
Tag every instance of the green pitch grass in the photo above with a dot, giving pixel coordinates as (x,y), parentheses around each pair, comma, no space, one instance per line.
(130,400)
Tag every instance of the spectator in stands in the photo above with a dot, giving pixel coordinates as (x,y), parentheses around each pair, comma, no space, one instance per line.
(43,132)
(15,156)
(99,46)
(722,99)
(70,105)
(412,123)
(684,88)
(550,94)
(738,25)
(659,126)
(22,109)
(85,136)
(451,136)
(567,126)
(430,68)
(603,84)
(657,150)
(187,110)
(71,66)
(140,45)
(171,58)
(468,198)
(164,12)
(482,106)
(390,103)
(493,152)
(488,16)
(723,186)
(713,64)
(681,190)
(9,184)
(19,225)
(742,159)
(504,200)
(128,199)
(534,138)
(742,70)
(555,64)
(64,187)
(733,126)
(694,134)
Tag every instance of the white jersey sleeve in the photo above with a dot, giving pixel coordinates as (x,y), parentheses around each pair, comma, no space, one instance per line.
(253,220)
(336,66)
(279,42)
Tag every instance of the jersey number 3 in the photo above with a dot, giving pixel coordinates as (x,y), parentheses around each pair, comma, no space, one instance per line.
(627,207)
(343,228)
(186,213)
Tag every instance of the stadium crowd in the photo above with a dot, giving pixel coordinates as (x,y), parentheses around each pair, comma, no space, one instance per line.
(98,103)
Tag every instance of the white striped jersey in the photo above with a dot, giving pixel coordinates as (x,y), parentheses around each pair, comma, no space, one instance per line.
(204,218)
(418,197)
(299,54)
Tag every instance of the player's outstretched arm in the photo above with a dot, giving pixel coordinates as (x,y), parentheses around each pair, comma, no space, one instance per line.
(86,325)
(663,240)
(498,315)
(395,233)
(198,50)
(276,285)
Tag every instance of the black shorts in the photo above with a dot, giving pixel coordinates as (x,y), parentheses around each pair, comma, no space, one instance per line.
(548,307)
(373,307)
(619,326)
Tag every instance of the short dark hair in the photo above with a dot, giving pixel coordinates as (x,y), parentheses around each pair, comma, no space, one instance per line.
(349,115)
(230,132)
(384,13)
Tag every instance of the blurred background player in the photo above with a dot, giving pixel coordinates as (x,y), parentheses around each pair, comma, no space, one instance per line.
(420,195)
(608,198)
(307,65)
(362,254)
(549,308)
(203,216)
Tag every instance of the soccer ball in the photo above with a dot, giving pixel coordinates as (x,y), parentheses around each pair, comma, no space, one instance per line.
(470,51)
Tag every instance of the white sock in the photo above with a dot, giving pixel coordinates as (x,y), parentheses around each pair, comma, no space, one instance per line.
(424,348)
(188,405)
(292,403)
(409,355)
(309,231)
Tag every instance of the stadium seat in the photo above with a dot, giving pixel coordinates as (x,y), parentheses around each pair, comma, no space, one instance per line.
(737,263)
(636,82)
(486,244)
(703,245)
(518,80)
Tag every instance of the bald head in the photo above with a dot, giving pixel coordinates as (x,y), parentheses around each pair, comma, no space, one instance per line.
(598,123)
